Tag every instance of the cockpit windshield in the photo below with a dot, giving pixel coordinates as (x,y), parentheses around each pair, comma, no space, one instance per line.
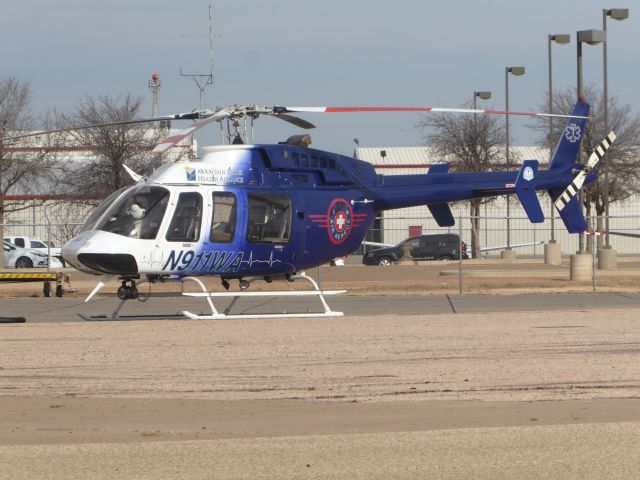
(138,213)
(92,219)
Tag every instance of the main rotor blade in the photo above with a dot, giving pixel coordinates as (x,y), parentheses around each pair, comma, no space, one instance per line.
(625,234)
(298,122)
(418,109)
(170,141)
(179,116)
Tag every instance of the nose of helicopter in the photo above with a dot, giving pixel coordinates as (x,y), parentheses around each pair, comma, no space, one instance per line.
(99,253)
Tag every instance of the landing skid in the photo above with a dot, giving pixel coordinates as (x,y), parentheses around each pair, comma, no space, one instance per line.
(226,314)
(107,318)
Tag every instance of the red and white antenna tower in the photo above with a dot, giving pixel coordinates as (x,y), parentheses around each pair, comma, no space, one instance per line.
(154,86)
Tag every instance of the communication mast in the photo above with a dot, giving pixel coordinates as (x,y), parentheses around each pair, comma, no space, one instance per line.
(154,86)
(202,80)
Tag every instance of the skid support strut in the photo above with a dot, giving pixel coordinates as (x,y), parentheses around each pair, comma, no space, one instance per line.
(226,314)
(215,315)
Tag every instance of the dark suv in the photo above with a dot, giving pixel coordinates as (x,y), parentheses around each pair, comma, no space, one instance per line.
(440,246)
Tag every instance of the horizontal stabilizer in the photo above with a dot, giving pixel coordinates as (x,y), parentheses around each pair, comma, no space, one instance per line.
(441,213)
(526,191)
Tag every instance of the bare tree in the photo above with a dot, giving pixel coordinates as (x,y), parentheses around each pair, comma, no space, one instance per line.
(26,165)
(113,146)
(65,219)
(624,176)
(470,143)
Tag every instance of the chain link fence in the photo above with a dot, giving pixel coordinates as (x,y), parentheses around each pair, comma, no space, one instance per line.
(493,234)
(525,238)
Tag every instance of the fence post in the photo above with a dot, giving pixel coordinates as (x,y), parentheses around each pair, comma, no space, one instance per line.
(459,255)
(594,261)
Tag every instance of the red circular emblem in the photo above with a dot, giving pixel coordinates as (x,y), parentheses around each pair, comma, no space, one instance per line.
(339,215)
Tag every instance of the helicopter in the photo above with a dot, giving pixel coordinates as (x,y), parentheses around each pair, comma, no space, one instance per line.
(269,211)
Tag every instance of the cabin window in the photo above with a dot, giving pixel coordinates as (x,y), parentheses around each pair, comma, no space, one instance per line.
(223,222)
(185,224)
(304,160)
(137,214)
(314,161)
(269,218)
(323,162)
(296,158)
(300,178)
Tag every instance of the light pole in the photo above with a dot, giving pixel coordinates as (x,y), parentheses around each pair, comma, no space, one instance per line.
(560,39)
(616,14)
(590,37)
(482,95)
(517,71)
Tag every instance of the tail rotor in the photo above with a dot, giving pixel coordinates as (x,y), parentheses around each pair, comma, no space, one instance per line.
(574,187)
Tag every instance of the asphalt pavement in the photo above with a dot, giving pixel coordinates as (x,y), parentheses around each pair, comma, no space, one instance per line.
(66,309)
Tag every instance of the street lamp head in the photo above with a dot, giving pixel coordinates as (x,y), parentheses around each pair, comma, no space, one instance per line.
(515,70)
(618,13)
(483,95)
(591,37)
(561,38)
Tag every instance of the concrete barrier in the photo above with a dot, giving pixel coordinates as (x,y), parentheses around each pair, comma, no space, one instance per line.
(508,255)
(607,259)
(581,267)
(552,253)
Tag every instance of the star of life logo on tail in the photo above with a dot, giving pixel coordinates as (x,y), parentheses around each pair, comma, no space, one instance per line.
(572,132)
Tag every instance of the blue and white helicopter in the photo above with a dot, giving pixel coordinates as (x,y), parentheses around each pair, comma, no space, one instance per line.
(271,211)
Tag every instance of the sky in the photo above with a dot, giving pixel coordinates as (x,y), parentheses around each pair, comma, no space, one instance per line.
(302,53)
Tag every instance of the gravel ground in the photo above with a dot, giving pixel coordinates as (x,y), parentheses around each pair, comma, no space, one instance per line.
(499,395)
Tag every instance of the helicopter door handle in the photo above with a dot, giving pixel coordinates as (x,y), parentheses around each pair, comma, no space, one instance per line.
(365,201)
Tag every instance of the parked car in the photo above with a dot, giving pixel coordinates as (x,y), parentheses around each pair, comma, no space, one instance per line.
(48,248)
(439,246)
(18,257)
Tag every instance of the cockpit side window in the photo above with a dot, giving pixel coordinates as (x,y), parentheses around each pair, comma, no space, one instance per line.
(223,222)
(269,218)
(137,214)
(156,206)
(185,224)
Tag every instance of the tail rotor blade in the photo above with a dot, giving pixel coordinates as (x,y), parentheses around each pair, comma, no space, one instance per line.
(600,150)
(571,191)
(574,187)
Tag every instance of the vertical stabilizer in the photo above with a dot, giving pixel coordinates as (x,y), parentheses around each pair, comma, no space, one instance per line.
(566,151)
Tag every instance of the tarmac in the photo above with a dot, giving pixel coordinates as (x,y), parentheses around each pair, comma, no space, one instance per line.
(512,379)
